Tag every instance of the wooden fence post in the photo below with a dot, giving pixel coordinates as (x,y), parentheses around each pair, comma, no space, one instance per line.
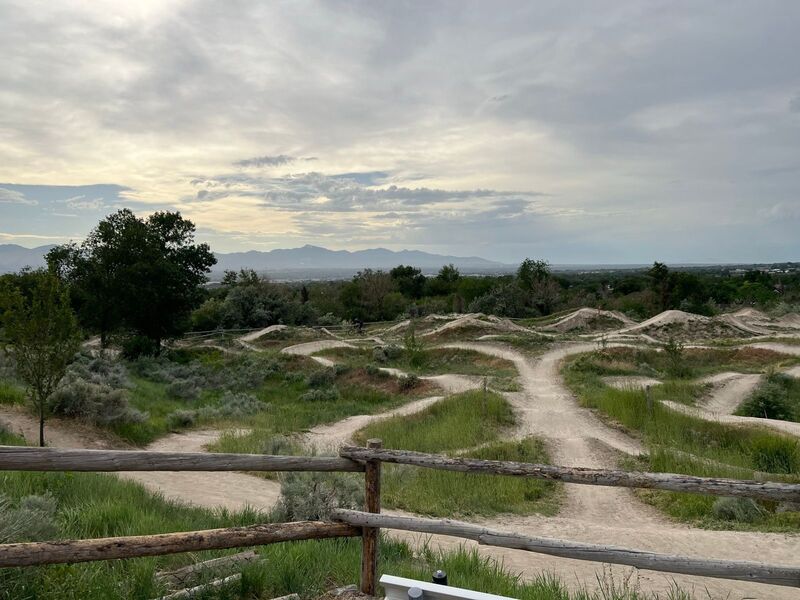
(369,535)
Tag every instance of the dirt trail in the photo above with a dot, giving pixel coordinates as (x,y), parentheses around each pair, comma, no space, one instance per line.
(233,491)
(701,413)
(309,348)
(731,390)
(332,436)
(254,335)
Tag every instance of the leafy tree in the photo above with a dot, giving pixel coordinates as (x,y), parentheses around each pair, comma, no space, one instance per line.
(449,274)
(536,279)
(141,274)
(409,281)
(660,283)
(43,337)
(532,272)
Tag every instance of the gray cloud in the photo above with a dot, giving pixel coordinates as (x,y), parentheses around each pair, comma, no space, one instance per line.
(265,161)
(14,197)
(682,117)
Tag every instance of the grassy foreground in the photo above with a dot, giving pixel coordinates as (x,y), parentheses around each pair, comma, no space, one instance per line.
(95,505)
(463,421)
(680,443)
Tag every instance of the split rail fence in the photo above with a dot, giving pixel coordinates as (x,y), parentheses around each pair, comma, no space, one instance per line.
(367,524)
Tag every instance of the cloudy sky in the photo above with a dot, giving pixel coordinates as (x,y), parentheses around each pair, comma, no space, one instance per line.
(576,132)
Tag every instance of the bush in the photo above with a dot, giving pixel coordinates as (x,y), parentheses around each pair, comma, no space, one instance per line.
(330,394)
(32,520)
(322,378)
(231,405)
(773,400)
(375,371)
(139,345)
(98,404)
(676,361)
(184,389)
(407,382)
(393,351)
(312,496)
(329,320)
(100,370)
(379,355)
(741,510)
(280,445)
(180,419)
(414,349)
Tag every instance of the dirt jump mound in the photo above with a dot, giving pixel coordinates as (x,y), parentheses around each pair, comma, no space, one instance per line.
(589,320)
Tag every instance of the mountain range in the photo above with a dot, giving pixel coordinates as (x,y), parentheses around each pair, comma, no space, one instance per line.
(308,259)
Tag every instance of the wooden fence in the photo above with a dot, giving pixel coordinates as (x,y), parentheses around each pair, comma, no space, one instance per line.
(367,524)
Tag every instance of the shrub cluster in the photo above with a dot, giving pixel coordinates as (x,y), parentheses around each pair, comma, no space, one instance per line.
(328,394)
(777,398)
(187,381)
(95,389)
(231,405)
(383,354)
(32,519)
(407,382)
(741,510)
(312,496)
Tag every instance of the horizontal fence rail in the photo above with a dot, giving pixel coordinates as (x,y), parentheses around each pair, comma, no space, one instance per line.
(21,458)
(724,569)
(29,554)
(761,490)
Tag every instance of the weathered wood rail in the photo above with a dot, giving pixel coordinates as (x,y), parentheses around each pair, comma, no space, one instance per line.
(725,569)
(367,524)
(28,554)
(760,490)
(21,458)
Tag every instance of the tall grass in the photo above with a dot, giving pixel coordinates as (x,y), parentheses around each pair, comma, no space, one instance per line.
(11,392)
(458,422)
(718,449)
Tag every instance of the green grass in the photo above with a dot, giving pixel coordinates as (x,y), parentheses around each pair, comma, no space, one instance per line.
(433,361)
(679,390)
(461,421)
(11,392)
(669,434)
(152,397)
(288,413)
(777,397)
(449,494)
(693,362)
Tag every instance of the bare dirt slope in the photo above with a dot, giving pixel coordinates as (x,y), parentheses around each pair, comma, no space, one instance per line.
(233,491)
(590,319)
(730,390)
(254,335)
(309,348)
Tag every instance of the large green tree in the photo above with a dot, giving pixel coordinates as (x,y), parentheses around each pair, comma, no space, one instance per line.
(141,275)
(42,337)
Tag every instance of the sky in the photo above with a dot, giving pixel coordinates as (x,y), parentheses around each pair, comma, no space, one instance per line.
(576,132)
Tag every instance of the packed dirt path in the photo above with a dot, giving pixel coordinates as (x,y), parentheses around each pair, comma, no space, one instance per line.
(731,389)
(309,348)
(329,438)
(233,491)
